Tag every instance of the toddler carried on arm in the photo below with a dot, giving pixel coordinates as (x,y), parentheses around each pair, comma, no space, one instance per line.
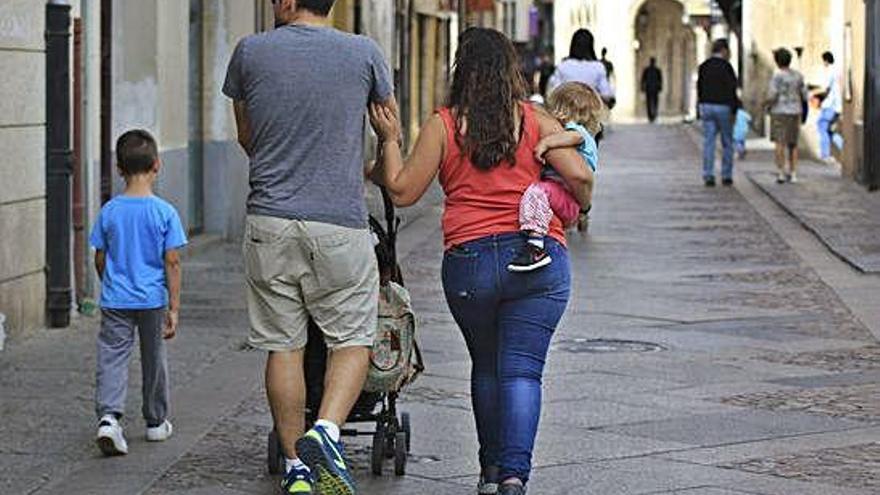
(580,109)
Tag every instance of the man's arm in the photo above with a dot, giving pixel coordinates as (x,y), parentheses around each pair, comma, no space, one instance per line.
(100,263)
(172,277)
(243,126)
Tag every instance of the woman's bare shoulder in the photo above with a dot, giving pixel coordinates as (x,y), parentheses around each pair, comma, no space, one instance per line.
(546,122)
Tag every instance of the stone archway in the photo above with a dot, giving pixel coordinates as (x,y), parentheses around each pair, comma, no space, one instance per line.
(660,31)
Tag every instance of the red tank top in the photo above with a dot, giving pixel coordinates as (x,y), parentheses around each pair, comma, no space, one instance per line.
(481,203)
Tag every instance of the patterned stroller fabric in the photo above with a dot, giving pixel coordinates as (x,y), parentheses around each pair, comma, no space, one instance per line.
(394,361)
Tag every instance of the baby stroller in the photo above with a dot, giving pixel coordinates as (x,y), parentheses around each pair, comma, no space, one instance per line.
(395,361)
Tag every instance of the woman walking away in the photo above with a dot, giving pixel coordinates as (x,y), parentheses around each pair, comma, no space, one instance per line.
(785,99)
(482,145)
(582,66)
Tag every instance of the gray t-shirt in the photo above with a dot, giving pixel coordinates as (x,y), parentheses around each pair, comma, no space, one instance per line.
(306,90)
(787,92)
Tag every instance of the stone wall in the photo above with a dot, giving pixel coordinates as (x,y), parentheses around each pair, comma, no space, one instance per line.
(22,164)
(852,64)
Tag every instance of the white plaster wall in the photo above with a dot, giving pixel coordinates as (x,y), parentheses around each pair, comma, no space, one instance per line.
(613,24)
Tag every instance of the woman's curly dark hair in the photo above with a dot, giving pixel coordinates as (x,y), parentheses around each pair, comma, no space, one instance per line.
(487,87)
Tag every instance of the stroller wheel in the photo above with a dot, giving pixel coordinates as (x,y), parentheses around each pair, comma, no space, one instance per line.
(275,455)
(406,427)
(400,454)
(378,454)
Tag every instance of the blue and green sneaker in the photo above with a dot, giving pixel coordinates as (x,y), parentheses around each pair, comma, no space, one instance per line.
(297,481)
(327,461)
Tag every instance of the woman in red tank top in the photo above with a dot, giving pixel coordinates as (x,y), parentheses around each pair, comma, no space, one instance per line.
(481,145)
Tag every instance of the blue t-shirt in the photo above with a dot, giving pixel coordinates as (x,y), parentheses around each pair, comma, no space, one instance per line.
(135,233)
(588,150)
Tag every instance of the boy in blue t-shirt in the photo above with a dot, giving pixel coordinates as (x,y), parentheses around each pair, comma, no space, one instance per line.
(136,239)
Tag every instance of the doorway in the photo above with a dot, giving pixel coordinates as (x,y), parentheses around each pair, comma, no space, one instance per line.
(662,34)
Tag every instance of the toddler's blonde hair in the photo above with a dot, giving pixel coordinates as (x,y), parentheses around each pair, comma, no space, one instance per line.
(577,102)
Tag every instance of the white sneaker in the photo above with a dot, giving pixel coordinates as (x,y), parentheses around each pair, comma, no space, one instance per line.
(793,178)
(781,178)
(110,439)
(160,433)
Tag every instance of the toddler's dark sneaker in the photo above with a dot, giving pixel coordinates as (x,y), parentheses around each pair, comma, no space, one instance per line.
(326,460)
(297,481)
(529,258)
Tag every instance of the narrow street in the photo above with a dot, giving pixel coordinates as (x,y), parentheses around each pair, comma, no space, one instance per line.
(704,352)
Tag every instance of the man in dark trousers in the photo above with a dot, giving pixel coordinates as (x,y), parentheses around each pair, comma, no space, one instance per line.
(609,67)
(652,85)
(716,89)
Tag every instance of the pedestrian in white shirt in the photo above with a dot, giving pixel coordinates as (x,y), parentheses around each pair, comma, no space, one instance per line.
(583,66)
(832,106)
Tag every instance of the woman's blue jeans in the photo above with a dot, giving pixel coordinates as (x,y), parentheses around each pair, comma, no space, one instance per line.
(507,320)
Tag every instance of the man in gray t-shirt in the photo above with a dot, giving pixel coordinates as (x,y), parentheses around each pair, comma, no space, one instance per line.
(300,95)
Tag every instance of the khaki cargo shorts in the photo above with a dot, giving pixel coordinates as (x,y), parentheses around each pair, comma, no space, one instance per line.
(297,269)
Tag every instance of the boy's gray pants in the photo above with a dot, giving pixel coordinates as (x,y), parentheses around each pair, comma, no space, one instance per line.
(115,343)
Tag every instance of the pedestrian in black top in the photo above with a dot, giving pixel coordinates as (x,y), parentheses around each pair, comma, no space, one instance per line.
(609,67)
(652,85)
(716,88)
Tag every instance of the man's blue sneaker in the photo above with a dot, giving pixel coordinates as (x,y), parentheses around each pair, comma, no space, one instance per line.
(327,461)
(297,481)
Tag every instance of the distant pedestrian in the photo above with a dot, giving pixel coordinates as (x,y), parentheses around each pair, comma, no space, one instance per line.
(136,238)
(741,132)
(832,107)
(609,67)
(300,94)
(785,99)
(583,66)
(652,85)
(481,146)
(544,72)
(718,102)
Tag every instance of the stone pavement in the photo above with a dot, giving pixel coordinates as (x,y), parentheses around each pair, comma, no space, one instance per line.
(842,214)
(743,371)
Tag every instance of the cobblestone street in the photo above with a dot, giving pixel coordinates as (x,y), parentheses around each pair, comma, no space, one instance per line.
(733,360)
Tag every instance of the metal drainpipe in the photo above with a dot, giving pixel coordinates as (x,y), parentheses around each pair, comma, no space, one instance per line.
(871,162)
(58,163)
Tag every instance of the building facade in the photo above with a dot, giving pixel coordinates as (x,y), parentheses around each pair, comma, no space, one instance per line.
(675,32)
(159,65)
(811,28)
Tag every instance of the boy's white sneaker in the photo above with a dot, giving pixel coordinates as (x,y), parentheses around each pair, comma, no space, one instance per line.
(793,178)
(110,439)
(160,433)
